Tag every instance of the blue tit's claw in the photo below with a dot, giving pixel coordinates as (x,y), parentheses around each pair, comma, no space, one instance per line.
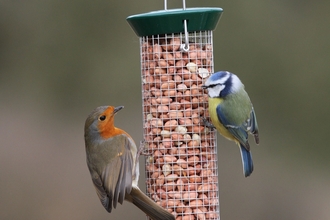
(208,124)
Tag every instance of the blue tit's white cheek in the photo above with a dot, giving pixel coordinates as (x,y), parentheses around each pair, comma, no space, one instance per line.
(215,91)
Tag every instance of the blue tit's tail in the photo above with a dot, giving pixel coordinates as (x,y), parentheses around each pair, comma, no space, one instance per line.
(246,161)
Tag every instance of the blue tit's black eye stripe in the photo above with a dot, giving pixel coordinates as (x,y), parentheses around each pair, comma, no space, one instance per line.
(227,87)
(213,85)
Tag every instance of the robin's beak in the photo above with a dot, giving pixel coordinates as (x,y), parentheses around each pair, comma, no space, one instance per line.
(117,109)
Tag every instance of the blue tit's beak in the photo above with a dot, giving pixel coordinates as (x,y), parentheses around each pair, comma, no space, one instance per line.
(204,86)
(117,109)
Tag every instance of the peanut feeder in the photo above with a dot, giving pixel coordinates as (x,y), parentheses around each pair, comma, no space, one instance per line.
(176,58)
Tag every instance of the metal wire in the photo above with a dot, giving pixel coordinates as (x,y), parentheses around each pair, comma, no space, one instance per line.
(181,169)
(183,4)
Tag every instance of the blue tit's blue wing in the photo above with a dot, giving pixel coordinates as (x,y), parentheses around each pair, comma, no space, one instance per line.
(253,126)
(238,131)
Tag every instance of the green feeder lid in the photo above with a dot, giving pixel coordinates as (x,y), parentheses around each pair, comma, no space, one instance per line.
(171,21)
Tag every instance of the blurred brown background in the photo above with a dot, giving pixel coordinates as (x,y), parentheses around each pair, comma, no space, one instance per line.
(61,59)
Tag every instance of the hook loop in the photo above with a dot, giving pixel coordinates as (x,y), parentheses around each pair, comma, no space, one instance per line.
(185,46)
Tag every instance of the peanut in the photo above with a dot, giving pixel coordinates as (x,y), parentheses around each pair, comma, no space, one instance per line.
(181,165)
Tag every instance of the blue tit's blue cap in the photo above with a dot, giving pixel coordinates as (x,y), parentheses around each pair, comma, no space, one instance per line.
(219,75)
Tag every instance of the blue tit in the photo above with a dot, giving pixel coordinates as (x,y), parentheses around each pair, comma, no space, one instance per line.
(232,113)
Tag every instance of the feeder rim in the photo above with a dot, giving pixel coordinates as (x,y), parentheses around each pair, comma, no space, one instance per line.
(177,10)
(171,20)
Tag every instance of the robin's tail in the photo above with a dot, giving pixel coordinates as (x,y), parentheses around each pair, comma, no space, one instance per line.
(143,202)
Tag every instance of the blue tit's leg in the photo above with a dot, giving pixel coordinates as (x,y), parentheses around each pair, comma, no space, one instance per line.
(208,124)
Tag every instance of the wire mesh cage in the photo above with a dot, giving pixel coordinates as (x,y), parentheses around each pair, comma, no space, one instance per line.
(181,165)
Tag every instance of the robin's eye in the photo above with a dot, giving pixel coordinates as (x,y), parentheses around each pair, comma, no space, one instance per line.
(102,117)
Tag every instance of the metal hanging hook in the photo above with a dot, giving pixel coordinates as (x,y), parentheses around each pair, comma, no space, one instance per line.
(185,46)
(183,4)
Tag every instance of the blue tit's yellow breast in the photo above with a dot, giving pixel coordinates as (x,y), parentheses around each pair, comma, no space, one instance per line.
(213,103)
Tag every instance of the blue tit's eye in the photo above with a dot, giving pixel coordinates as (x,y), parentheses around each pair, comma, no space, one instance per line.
(102,118)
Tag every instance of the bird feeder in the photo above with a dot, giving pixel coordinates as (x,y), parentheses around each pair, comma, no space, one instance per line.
(176,48)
